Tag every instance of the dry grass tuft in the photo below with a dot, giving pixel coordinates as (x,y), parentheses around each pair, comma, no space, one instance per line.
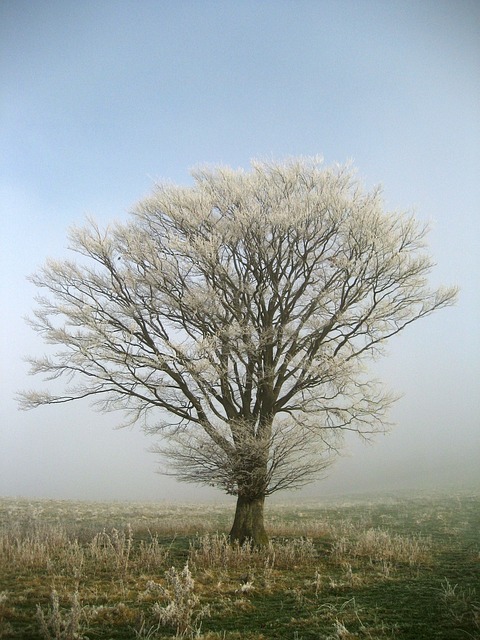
(380,546)
(216,550)
(58,624)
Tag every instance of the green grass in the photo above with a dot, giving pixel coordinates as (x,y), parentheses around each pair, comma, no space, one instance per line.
(392,568)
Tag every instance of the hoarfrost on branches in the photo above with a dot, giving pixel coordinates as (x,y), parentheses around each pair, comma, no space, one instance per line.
(237,317)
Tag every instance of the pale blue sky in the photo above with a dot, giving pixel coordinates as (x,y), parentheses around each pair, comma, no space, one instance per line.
(98,99)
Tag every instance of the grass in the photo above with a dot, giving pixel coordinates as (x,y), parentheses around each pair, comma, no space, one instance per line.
(396,568)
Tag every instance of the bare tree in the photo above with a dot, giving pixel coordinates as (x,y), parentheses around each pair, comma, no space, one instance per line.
(235,318)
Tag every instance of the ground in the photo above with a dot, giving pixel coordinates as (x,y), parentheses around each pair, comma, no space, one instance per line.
(377,568)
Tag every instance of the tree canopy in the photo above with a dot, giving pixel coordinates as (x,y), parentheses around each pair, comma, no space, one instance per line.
(236,318)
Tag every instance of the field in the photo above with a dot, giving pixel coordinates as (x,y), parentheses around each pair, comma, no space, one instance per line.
(391,568)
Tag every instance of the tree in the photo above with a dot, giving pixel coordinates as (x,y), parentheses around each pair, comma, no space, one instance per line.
(235,318)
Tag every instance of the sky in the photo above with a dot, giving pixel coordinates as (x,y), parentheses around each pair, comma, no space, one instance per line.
(101,99)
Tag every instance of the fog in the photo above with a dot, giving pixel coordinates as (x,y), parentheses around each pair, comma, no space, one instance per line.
(71,451)
(101,99)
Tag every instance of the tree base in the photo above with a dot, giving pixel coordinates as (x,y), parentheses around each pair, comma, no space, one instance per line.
(248,525)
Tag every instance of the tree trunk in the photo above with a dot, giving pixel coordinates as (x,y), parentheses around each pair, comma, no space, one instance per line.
(248,524)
